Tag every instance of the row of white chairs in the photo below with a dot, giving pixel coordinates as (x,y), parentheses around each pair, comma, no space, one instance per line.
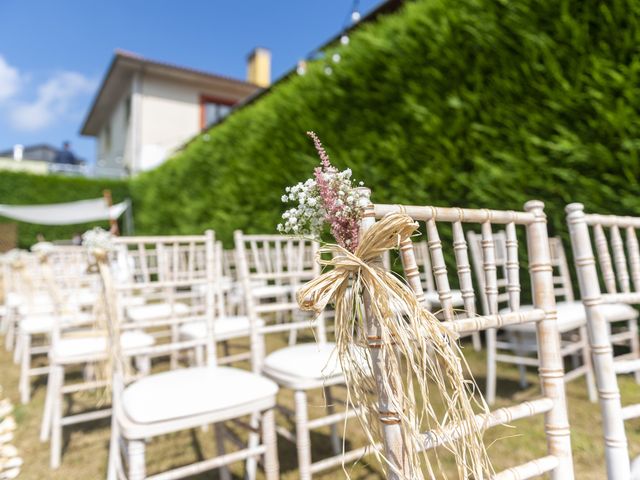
(174,295)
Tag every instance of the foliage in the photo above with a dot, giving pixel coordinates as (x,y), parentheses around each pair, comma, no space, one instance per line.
(447,102)
(18,188)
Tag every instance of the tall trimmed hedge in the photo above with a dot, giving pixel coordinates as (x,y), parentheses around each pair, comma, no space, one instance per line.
(453,102)
(17,188)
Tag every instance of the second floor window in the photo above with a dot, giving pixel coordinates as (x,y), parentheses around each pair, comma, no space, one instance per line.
(213,110)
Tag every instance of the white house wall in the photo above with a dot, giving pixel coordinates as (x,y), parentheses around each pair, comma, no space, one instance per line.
(119,154)
(170,115)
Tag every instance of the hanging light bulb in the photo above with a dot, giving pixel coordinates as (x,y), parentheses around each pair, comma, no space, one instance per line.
(328,70)
(302,67)
(344,39)
(355,16)
(336,57)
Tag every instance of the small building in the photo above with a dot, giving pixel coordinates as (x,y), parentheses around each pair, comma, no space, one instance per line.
(145,110)
(41,159)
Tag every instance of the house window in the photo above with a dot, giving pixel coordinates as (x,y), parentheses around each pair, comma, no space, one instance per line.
(213,109)
(127,109)
(106,140)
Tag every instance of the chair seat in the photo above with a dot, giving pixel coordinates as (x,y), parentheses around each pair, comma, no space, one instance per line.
(193,391)
(224,328)
(154,311)
(456,298)
(306,362)
(85,297)
(35,324)
(70,347)
(270,291)
(572,315)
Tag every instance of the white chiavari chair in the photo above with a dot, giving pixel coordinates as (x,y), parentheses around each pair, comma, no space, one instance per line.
(552,404)
(285,263)
(620,276)
(184,398)
(423,260)
(77,346)
(228,326)
(39,314)
(517,345)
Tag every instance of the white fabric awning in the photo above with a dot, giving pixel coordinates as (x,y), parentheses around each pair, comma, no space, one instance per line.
(83,211)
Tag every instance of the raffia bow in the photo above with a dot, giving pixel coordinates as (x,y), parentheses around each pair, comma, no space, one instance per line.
(421,358)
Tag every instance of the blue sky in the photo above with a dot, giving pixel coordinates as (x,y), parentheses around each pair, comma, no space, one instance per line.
(53,54)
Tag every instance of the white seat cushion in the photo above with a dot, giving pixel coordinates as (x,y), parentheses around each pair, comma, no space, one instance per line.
(33,324)
(307,361)
(572,315)
(615,312)
(456,298)
(96,345)
(270,291)
(154,311)
(84,297)
(224,327)
(193,391)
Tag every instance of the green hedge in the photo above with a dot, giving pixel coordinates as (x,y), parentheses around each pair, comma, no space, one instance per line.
(447,102)
(17,188)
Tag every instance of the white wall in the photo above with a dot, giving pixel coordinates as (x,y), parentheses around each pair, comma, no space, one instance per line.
(170,115)
(118,154)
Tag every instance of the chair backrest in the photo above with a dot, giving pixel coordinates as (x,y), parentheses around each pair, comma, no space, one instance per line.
(179,271)
(553,403)
(73,289)
(563,288)
(270,270)
(620,276)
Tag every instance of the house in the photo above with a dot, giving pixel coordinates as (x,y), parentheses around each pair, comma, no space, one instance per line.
(41,159)
(144,109)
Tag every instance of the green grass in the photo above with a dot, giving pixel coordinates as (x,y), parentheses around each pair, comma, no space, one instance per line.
(85,453)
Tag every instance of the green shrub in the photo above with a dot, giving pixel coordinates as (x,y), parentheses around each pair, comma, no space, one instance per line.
(17,188)
(478,103)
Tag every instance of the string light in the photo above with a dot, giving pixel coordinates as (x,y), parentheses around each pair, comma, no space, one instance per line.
(354,17)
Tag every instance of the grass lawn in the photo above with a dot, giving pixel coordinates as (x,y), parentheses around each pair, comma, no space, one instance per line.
(85,453)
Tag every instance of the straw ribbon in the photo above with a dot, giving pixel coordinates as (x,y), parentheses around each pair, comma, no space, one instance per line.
(416,358)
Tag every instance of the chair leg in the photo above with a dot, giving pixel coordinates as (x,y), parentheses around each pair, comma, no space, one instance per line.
(270,441)
(143,364)
(10,336)
(136,456)
(173,358)
(490,393)
(335,440)
(224,470)
(17,349)
(114,450)
(45,426)
(199,351)
(476,341)
(57,375)
(251,465)
(586,358)
(303,437)
(25,366)
(635,344)
(522,369)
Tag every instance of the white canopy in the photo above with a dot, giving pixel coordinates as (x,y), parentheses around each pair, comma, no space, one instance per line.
(83,211)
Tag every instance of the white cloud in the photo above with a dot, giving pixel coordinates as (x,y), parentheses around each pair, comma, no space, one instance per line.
(9,80)
(54,99)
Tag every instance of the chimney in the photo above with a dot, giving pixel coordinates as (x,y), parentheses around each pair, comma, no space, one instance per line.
(259,67)
(18,150)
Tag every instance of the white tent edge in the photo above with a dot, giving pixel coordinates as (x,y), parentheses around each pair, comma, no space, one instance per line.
(70,213)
